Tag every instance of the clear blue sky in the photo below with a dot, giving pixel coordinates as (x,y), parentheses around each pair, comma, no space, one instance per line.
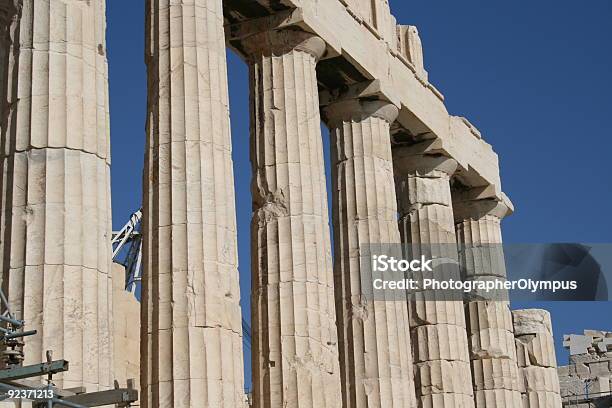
(535,76)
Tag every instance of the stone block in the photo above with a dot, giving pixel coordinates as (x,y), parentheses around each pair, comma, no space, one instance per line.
(582,358)
(536,350)
(563,371)
(446,401)
(490,374)
(600,369)
(426,312)
(493,343)
(542,400)
(595,334)
(439,342)
(486,261)
(488,315)
(429,190)
(531,321)
(497,398)
(539,379)
(600,385)
(577,344)
(571,386)
(443,377)
(582,371)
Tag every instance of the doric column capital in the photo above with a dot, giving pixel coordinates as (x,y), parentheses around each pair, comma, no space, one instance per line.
(359,109)
(476,209)
(279,42)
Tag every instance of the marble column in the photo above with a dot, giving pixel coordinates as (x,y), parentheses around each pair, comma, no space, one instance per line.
(438,330)
(489,322)
(191,326)
(55,183)
(295,350)
(535,348)
(374,334)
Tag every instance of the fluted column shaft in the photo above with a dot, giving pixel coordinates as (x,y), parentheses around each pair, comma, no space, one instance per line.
(374,335)
(295,351)
(191,328)
(438,331)
(491,336)
(537,362)
(55,183)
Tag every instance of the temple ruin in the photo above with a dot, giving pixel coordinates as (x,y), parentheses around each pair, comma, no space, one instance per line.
(404,170)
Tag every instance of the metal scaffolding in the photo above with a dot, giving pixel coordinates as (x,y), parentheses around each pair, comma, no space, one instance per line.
(18,382)
(127,251)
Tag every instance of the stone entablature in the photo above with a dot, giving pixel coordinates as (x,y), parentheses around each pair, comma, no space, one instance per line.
(359,54)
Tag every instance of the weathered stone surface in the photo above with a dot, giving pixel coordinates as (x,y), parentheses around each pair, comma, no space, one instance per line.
(374,336)
(595,334)
(411,47)
(531,321)
(583,358)
(571,385)
(422,185)
(479,235)
(590,366)
(491,338)
(439,342)
(432,377)
(446,400)
(376,16)
(126,330)
(491,315)
(427,309)
(577,344)
(534,342)
(295,345)
(492,343)
(55,218)
(536,358)
(536,350)
(496,374)
(599,369)
(541,379)
(497,398)
(582,371)
(426,221)
(191,326)
(22,404)
(542,400)
(601,385)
